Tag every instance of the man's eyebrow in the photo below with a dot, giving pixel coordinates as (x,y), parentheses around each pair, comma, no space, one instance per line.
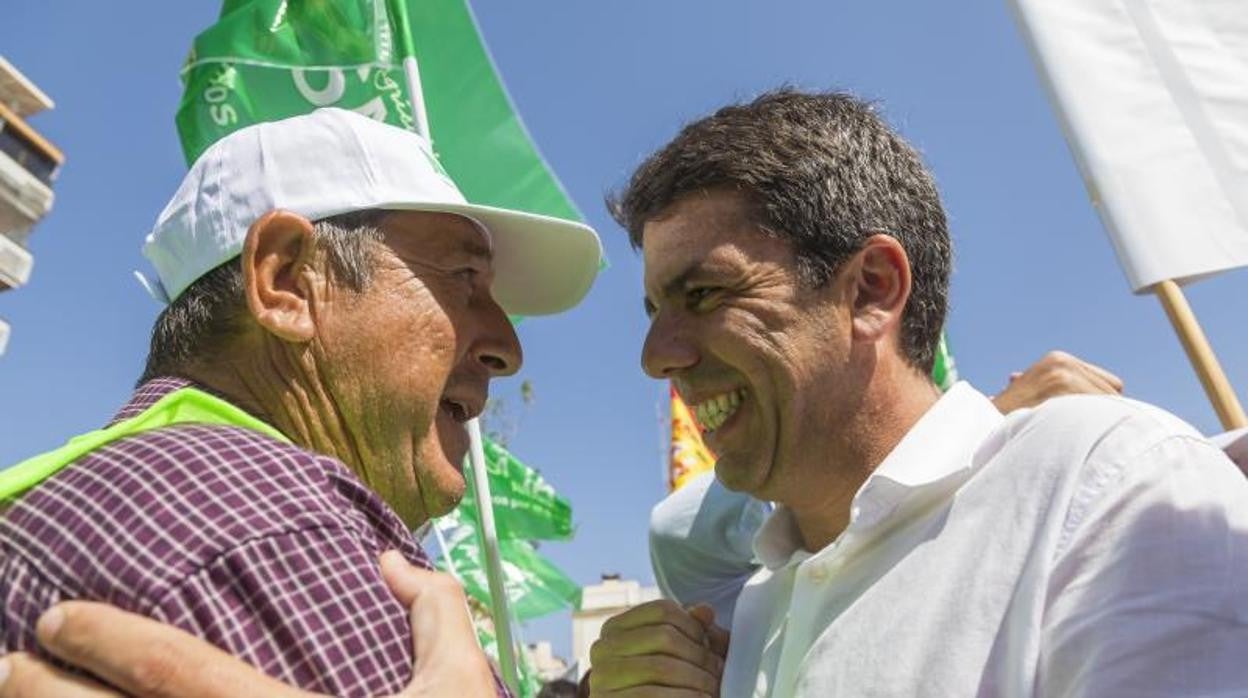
(674,286)
(679,281)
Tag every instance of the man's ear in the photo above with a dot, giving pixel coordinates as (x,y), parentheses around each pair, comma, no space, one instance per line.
(880,278)
(278,253)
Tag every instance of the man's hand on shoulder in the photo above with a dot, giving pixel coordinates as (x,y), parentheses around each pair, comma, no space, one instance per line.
(659,648)
(1056,373)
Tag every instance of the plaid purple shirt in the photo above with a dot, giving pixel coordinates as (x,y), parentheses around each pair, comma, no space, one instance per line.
(262,548)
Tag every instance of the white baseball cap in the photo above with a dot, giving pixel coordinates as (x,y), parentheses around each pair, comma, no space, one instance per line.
(334,161)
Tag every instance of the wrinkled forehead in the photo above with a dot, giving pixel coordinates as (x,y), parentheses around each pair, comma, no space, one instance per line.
(435,235)
(709,230)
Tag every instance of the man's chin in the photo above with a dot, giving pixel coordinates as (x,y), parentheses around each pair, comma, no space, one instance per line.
(739,475)
(447,493)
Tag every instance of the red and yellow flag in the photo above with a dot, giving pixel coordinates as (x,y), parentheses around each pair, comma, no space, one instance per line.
(689,456)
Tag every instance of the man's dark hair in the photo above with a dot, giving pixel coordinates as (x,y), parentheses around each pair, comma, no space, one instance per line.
(823,171)
(199,324)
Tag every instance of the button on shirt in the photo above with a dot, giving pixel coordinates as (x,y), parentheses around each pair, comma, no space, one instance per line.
(1093,546)
(260,547)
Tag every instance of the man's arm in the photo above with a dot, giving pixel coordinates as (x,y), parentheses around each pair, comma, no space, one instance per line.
(148,659)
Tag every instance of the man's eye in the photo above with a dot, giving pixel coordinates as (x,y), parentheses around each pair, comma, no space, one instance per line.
(699,298)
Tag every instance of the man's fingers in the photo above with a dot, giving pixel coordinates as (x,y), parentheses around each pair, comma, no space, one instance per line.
(145,658)
(448,660)
(655,640)
(702,613)
(437,608)
(1112,382)
(23,676)
(1084,380)
(717,637)
(658,612)
(618,673)
(404,579)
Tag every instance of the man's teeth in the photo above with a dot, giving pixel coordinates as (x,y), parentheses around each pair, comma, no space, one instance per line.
(713,412)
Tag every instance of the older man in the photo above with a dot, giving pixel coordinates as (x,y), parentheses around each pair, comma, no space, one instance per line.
(336,312)
(796,271)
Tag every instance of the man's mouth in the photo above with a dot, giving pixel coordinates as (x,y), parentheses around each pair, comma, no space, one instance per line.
(712,412)
(461,408)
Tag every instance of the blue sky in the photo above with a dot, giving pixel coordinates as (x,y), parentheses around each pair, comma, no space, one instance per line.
(600,85)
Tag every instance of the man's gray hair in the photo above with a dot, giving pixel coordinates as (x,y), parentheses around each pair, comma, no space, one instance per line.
(200,323)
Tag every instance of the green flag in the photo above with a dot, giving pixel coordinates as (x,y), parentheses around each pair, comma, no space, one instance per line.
(944,370)
(535,587)
(525,506)
(270,59)
(266,60)
(530,682)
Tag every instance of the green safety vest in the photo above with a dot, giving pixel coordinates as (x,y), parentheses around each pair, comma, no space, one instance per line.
(182,406)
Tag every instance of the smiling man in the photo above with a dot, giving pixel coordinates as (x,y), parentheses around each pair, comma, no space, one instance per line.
(797,263)
(336,312)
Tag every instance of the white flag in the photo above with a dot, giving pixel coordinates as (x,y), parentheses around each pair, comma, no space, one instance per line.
(1153,100)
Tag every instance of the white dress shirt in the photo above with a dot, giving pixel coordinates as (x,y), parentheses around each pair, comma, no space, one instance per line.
(1093,546)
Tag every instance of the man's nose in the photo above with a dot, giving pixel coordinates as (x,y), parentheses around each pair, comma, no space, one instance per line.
(668,349)
(497,347)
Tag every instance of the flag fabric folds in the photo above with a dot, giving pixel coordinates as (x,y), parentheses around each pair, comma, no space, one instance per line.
(266,60)
(535,587)
(269,59)
(1153,99)
(525,506)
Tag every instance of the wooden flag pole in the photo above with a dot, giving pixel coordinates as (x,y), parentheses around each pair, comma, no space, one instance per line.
(1217,387)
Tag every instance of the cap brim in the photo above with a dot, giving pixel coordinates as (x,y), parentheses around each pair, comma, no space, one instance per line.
(542,265)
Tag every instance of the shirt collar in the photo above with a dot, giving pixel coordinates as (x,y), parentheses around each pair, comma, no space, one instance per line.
(147,395)
(150,392)
(937,452)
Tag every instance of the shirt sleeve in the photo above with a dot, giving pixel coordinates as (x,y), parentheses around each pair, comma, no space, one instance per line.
(701,544)
(1149,591)
(308,607)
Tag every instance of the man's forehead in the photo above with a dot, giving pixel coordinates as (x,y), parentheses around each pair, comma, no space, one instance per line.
(437,232)
(693,236)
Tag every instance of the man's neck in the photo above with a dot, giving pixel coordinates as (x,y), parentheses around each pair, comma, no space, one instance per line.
(887,413)
(286,393)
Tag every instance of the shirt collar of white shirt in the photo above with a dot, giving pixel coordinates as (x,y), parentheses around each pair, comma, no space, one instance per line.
(936,454)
